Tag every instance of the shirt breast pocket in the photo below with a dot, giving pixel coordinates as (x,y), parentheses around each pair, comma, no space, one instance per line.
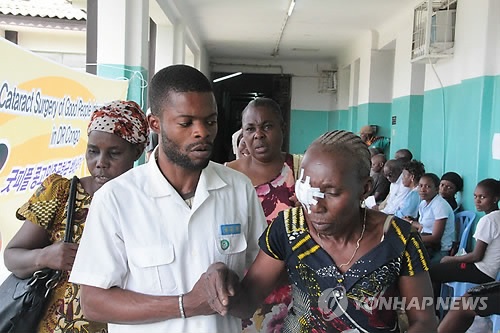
(153,268)
(230,247)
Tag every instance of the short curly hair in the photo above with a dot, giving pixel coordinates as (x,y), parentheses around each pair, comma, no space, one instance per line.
(415,168)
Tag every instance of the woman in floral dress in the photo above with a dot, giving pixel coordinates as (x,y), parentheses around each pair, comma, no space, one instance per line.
(272,173)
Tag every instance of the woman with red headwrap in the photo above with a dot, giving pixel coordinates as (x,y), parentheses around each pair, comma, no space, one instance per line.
(117,135)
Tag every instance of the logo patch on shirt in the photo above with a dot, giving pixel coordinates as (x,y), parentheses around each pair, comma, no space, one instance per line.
(224,244)
(230,229)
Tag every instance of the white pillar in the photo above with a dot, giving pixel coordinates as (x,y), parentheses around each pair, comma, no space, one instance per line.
(122,44)
(179,43)
(164,46)
(354,84)
(343,85)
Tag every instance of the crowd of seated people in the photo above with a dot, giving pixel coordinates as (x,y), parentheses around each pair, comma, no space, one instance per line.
(431,205)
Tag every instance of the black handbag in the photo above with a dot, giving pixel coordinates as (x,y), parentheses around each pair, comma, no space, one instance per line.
(485,288)
(22,301)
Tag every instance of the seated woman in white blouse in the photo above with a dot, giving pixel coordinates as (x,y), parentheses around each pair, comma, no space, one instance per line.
(436,219)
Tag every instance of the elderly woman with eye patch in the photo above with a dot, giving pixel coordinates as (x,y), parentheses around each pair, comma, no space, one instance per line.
(350,267)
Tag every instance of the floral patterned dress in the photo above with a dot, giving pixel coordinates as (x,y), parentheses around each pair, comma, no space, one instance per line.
(48,209)
(274,196)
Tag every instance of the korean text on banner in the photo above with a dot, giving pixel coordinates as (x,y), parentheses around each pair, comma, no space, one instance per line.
(44,112)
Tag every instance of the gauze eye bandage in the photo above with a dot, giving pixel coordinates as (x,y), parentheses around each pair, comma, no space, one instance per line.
(305,193)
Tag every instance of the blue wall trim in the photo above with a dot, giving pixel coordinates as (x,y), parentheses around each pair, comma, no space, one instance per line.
(136,87)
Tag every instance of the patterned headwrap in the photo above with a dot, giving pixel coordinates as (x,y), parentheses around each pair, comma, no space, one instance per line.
(122,118)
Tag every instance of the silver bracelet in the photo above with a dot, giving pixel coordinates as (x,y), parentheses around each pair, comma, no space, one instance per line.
(181,306)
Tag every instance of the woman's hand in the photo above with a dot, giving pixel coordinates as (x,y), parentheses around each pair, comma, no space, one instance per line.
(59,256)
(417,226)
(295,202)
(31,250)
(414,222)
(446,259)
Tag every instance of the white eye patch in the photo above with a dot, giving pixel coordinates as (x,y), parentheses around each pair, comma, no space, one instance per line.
(305,193)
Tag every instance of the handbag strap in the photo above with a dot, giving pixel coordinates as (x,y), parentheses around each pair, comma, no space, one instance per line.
(52,276)
(71,209)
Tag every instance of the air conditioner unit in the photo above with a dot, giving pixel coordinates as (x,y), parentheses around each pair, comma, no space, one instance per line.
(433,30)
(327,81)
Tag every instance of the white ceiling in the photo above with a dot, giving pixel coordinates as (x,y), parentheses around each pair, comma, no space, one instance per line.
(251,28)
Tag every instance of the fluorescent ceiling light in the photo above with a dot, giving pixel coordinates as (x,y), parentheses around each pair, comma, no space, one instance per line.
(227,76)
(303,49)
(290,9)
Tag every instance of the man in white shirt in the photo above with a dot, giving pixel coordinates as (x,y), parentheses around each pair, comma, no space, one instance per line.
(151,234)
(393,171)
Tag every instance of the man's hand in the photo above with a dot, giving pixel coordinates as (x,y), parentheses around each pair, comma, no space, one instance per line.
(195,301)
(221,284)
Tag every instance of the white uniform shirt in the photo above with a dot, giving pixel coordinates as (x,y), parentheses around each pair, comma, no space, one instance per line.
(397,194)
(438,209)
(141,236)
(488,231)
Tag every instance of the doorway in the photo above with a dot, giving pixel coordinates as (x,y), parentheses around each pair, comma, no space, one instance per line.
(232,97)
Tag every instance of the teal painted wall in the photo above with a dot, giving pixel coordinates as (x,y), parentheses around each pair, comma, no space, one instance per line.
(137,76)
(375,114)
(494,165)
(354,116)
(362,117)
(463,145)
(471,116)
(305,127)
(379,114)
(407,132)
(333,119)
(343,119)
